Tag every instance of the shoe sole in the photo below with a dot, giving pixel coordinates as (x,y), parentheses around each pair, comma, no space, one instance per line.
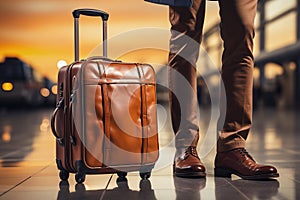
(191,175)
(226,173)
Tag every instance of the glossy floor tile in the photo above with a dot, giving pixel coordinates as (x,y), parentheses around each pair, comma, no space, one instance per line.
(28,169)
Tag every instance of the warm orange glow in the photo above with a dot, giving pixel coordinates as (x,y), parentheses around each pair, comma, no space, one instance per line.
(256,73)
(292,66)
(7,86)
(23,33)
(44,125)
(54,89)
(44,92)
(148,55)
(6,135)
(272,70)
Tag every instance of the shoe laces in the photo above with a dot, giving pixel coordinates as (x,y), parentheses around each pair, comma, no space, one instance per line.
(244,152)
(191,151)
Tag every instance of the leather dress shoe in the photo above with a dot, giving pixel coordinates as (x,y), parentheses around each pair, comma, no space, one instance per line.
(188,164)
(239,162)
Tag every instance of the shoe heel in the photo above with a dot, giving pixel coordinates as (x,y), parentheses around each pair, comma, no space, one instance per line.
(219,172)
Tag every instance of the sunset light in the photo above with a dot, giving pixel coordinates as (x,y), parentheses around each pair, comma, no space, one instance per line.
(61,63)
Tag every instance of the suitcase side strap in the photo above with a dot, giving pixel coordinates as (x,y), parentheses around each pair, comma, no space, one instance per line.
(106,118)
(53,120)
(143,115)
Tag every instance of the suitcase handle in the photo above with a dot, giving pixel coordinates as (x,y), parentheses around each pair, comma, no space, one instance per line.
(53,117)
(92,13)
(102,58)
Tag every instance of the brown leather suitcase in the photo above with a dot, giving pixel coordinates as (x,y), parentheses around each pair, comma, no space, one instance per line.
(105,120)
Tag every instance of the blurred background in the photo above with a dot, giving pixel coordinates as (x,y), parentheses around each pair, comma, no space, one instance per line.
(36,38)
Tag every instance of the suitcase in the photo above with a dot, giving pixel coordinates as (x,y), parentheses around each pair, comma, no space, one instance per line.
(105,120)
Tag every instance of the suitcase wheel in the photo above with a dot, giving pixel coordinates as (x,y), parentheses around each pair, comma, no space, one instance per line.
(122,174)
(80,177)
(145,175)
(63,175)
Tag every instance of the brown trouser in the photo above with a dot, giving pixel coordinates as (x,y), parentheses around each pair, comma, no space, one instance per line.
(237,32)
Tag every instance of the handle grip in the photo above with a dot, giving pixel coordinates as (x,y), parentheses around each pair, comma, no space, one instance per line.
(53,117)
(90,12)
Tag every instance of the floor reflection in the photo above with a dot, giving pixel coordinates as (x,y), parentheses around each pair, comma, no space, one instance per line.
(265,189)
(122,191)
(18,130)
(189,188)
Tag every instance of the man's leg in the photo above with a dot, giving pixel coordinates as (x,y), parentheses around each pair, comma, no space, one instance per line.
(186,29)
(237,32)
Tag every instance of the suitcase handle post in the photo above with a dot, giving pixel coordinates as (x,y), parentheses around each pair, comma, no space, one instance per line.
(92,13)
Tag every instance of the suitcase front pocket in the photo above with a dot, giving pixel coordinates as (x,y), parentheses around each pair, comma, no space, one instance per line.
(123,124)
(114,132)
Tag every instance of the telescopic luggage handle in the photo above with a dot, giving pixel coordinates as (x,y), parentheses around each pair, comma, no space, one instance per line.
(90,12)
(93,13)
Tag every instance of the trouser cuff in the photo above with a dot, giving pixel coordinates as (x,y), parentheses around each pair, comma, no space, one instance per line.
(227,145)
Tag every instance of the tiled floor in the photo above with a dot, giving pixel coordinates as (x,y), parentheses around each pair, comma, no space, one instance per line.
(28,170)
